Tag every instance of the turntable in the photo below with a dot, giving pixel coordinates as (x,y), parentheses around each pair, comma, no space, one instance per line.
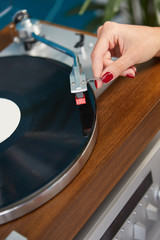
(49,128)
(49,123)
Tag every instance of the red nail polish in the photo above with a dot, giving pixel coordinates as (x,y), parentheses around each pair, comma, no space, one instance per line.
(107,77)
(95,82)
(130,76)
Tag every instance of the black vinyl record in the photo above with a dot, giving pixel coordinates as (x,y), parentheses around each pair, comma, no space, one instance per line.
(50,136)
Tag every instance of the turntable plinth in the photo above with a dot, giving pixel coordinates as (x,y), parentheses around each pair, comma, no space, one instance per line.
(128,118)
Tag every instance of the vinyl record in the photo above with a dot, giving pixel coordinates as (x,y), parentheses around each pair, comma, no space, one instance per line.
(50,137)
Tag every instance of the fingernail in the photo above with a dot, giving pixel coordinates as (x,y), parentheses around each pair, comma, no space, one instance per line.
(107,77)
(95,82)
(130,76)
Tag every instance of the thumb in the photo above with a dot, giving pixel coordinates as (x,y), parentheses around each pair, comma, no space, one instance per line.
(116,68)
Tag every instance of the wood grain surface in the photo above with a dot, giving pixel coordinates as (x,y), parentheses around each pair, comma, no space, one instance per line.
(128,118)
(6,36)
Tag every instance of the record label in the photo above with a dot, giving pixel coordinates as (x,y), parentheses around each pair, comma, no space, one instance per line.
(10,118)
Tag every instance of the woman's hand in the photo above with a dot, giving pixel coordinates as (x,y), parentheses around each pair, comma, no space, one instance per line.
(131,44)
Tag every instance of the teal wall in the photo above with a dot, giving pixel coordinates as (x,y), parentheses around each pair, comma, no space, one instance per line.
(51,10)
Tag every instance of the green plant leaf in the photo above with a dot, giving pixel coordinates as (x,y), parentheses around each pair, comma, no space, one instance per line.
(131,12)
(144,9)
(157,5)
(73,11)
(84,6)
(94,24)
(111,9)
(91,7)
(144,4)
(157,11)
(96,6)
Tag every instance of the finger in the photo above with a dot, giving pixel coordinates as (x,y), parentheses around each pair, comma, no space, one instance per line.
(130,72)
(107,61)
(99,31)
(98,54)
(135,69)
(118,67)
(98,83)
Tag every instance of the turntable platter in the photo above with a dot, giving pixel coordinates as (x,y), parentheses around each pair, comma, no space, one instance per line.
(48,148)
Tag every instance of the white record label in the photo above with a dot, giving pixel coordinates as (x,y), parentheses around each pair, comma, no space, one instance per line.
(10,116)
